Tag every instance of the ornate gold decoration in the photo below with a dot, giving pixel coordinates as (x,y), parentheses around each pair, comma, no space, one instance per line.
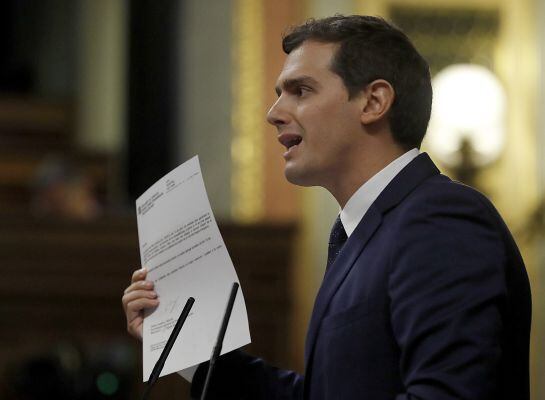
(247,115)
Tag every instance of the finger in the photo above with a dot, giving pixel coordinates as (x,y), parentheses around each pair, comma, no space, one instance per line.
(139,274)
(139,285)
(135,307)
(136,295)
(135,328)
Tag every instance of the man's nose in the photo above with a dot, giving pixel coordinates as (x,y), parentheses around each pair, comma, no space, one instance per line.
(277,114)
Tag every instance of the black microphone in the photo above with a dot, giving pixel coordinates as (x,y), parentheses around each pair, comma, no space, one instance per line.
(219,342)
(166,350)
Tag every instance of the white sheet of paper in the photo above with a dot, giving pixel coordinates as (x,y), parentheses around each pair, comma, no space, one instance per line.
(181,246)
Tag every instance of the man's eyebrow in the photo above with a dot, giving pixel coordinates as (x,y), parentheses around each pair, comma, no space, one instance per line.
(288,84)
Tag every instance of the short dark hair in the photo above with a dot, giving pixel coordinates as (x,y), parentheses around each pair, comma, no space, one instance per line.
(371,48)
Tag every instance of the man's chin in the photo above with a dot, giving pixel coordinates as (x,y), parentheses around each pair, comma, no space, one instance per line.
(297,177)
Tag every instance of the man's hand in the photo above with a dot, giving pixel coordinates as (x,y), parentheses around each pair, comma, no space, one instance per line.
(136,298)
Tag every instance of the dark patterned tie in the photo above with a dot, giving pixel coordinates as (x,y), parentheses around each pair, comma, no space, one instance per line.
(337,238)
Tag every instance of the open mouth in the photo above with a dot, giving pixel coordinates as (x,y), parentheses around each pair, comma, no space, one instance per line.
(289,140)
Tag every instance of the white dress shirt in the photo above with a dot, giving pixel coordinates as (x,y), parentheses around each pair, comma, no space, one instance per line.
(361,200)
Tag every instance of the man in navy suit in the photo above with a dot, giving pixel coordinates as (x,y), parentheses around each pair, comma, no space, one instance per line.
(425,294)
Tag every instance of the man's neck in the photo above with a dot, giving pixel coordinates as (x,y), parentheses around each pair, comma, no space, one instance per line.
(352,179)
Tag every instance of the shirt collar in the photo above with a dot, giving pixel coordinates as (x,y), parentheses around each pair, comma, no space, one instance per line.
(361,200)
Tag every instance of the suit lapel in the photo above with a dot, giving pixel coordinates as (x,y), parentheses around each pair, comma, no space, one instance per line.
(411,176)
(338,271)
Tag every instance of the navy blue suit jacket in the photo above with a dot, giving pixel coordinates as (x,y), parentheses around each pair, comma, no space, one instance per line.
(428,299)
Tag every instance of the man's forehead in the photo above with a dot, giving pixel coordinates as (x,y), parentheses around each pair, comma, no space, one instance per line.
(308,60)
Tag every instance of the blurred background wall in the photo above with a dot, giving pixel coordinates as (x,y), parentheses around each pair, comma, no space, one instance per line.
(99,98)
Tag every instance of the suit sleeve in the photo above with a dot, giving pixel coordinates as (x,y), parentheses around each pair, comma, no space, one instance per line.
(447,290)
(240,376)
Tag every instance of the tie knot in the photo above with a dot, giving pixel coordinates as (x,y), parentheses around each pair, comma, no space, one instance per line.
(338,234)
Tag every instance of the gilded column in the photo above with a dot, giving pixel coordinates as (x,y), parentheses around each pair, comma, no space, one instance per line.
(248,110)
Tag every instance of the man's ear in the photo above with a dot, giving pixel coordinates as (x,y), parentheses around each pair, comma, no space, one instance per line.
(380,96)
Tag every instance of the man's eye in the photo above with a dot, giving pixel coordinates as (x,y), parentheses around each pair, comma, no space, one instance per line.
(302,90)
